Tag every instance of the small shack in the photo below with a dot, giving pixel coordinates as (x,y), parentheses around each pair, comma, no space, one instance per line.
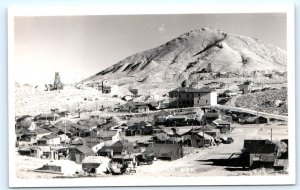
(78,153)
(35,152)
(223,125)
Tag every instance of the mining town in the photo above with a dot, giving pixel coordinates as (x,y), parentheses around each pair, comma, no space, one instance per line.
(162,113)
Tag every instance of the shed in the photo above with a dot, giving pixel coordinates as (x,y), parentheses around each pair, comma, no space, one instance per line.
(78,153)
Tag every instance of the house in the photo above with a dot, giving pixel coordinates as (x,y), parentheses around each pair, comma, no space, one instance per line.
(78,153)
(67,114)
(165,151)
(215,133)
(25,122)
(177,120)
(112,135)
(49,117)
(259,153)
(32,151)
(192,97)
(140,107)
(161,137)
(116,148)
(205,140)
(141,128)
(64,138)
(135,107)
(41,132)
(27,138)
(210,115)
(223,125)
(51,139)
(93,142)
(245,87)
(106,89)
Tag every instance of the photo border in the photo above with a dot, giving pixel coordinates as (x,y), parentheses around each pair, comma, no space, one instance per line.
(153,181)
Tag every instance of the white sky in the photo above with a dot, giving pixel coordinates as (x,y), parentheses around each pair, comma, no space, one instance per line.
(80,46)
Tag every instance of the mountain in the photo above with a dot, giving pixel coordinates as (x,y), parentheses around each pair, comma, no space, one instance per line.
(192,54)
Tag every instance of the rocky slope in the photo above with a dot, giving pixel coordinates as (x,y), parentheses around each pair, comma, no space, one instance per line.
(192,54)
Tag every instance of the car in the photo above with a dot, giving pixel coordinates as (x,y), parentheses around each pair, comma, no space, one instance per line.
(145,159)
(227,140)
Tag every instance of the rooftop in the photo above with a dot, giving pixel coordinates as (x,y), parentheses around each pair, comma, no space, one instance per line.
(195,90)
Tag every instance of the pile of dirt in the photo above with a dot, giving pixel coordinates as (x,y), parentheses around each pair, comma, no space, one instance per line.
(265,101)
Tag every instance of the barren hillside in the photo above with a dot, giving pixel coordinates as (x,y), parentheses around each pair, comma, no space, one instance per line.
(193,53)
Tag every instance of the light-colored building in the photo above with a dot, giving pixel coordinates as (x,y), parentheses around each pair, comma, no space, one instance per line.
(192,97)
(51,139)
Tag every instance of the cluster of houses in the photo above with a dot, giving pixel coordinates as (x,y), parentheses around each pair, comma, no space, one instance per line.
(56,136)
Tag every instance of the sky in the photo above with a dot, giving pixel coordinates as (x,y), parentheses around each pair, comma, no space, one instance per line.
(80,46)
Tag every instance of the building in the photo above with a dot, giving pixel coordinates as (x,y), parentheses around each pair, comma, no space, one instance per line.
(141,128)
(223,125)
(215,133)
(41,132)
(116,148)
(51,139)
(192,97)
(140,107)
(112,135)
(245,87)
(259,153)
(78,153)
(135,107)
(165,151)
(32,151)
(92,142)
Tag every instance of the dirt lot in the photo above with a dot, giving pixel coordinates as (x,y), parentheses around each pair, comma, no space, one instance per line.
(193,164)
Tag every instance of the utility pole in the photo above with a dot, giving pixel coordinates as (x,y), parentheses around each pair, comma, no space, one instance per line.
(203,136)
(65,134)
(271,135)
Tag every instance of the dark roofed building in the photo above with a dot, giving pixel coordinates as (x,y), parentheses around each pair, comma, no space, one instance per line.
(259,153)
(116,148)
(141,128)
(78,153)
(192,97)
(165,151)
(112,135)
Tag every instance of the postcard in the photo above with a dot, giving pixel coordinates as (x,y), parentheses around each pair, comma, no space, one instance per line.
(145,96)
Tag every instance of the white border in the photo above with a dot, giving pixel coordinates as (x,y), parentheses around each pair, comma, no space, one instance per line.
(154,181)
